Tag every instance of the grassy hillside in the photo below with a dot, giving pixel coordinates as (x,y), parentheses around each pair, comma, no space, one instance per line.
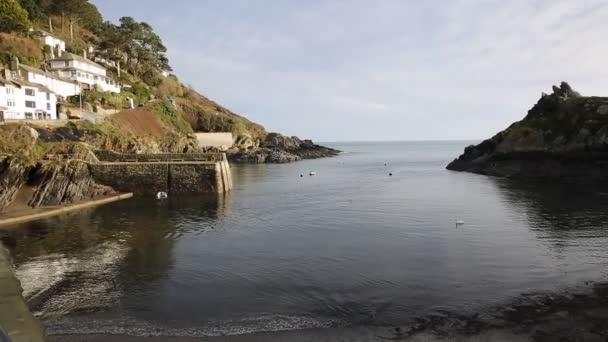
(29,51)
(141,55)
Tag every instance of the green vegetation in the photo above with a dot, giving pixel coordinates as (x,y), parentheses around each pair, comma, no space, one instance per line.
(28,51)
(141,93)
(105,99)
(137,46)
(13,18)
(134,55)
(165,111)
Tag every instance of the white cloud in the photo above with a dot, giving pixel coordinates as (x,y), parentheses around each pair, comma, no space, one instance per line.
(434,69)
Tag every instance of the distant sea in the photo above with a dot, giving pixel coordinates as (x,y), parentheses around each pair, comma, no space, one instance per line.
(285,250)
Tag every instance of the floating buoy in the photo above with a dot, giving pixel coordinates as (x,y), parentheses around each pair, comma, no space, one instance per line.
(161,195)
(301,175)
(390,174)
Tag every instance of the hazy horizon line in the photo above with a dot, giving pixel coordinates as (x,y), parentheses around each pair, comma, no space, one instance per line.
(397,140)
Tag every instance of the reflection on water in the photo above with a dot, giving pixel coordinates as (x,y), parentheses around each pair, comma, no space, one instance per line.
(348,246)
(569,217)
(82,261)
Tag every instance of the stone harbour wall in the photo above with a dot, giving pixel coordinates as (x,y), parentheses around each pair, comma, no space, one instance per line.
(16,320)
(176,178)
(111,156)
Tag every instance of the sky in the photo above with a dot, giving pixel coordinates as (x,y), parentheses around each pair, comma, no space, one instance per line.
(359,70)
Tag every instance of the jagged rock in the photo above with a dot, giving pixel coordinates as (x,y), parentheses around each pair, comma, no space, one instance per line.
(277,148)
(64,183)
(33,133)
(281,142)
(13,175)
(246,141)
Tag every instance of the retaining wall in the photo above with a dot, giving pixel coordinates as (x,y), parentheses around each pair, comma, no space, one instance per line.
(15,317)
(150,178)
(110,156)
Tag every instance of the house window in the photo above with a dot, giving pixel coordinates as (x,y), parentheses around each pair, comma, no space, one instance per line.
(73,73)
(29,116)
(30,92)
(10,103)
(67,63)
(30,104)
(48,106)
(10,90)
(48,96)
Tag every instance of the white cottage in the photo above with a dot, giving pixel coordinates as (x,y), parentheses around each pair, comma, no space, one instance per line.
(59,85)
(24,100)
(57,45)
(83,70)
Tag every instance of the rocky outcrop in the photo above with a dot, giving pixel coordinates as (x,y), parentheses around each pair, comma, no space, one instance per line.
(277,148)
(13,175)
(563,135)
(65,183)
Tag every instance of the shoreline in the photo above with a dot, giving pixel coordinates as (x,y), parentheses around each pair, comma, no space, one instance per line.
(574,314)
(40,213)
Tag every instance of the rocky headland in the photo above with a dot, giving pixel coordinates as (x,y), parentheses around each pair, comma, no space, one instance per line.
(564,134)
(277,148)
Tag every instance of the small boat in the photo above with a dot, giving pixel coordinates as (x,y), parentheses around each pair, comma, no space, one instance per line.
(459,222)
(161,195)
(312,173)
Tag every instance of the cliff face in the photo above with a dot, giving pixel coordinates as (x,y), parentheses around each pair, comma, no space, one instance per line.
(563,135)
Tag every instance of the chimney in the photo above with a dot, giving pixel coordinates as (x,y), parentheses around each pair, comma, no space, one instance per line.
(6,74)
(14,65)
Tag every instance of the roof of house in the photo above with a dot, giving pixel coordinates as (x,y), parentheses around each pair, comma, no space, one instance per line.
(46,73)
(21,83)
(45,33)
(66,56)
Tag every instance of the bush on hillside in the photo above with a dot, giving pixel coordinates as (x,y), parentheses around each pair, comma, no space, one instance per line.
(28,51)
(169,86)
(169,115)
(141,93)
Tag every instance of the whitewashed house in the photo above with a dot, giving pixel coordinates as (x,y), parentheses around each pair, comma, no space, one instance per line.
(24,100)
(57,45)
(83,70)
(60,86)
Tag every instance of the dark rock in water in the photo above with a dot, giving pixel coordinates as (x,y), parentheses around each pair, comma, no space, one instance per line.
(277,148)
(563,135)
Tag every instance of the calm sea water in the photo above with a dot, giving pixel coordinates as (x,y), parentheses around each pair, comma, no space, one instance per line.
(351,245)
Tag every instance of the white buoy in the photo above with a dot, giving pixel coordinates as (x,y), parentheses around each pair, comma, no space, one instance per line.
(161,195)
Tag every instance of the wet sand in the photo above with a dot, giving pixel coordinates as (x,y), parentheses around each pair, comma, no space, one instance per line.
(573,315)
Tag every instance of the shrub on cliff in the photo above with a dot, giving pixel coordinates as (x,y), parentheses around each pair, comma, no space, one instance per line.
(27,50)
(169,115)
